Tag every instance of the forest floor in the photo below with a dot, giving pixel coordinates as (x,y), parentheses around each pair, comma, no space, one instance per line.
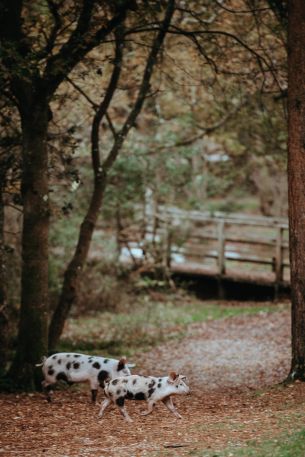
(236,406)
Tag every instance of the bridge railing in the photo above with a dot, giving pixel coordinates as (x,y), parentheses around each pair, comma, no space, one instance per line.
(217,242)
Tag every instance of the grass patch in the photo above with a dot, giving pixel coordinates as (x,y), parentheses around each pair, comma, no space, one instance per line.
(288,445)
(148,322)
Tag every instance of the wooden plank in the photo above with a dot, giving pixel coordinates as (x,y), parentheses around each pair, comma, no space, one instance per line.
(258,241)
(258,221)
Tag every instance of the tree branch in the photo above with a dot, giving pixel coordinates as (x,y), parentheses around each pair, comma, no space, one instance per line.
(53,7)
(102,109)
(80,43)
(144,87)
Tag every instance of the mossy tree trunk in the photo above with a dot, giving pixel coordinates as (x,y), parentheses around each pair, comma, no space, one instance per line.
(296,181)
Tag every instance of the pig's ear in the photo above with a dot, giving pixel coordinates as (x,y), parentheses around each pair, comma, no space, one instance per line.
(122,363)
(172,377)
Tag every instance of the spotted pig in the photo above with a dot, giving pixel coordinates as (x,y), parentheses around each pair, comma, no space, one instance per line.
(147,388)
(72,368)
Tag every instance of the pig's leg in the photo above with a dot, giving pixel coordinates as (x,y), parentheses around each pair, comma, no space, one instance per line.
(120,402)
(94,387)
(104,405)
(47,389)
(150,408)
(93,395)
(171,407)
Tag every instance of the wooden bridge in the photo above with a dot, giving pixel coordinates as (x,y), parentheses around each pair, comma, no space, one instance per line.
(240,247)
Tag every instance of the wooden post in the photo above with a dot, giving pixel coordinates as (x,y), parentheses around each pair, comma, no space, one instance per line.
(278,260)
(221,248)
(168,252)
(221,258)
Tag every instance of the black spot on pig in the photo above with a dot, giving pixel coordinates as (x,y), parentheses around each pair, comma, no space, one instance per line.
(76,355)
(120,401)
(50,372)
(134,381)
(139,396)
(75,365)
(115,381)
(121,365)
(68,365)
(59,361)
(106,360)
(118,391)
(159,385)
(54,357)
(61,376)
(96,365)
(68,355)
(150,392)
(102,376)
(151,384)
(129,395)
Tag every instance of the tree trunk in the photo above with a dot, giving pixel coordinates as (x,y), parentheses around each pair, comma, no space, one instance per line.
(74,270)
(3,298)
(32,336)
(296,181)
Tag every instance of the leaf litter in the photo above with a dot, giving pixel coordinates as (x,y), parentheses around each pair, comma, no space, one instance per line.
(234,367)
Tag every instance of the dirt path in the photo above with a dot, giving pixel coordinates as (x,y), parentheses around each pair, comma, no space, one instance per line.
(225,361)
(244,351)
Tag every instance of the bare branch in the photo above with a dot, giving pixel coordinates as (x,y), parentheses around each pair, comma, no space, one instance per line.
(82,92)
(102,109)
(53,7)
(80,43)
(261,61)
(111,126)
(248,11)
(144,87)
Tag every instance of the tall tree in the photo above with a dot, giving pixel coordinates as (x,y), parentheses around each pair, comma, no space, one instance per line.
(296,181)
(101,169)
(32,71)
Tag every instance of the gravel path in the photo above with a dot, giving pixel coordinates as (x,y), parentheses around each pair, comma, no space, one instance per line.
(240,352)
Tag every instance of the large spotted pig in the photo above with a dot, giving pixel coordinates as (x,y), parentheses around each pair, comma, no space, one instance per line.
(147,388)
(72,368)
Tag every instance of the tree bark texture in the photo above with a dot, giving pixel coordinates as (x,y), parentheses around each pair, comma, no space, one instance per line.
(32,336)
(296,180)
(3,297)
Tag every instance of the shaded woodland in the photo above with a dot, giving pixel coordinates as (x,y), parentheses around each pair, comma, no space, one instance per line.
(103,101)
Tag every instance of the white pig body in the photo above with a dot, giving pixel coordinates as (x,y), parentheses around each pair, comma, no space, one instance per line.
(149,388)
(74,368)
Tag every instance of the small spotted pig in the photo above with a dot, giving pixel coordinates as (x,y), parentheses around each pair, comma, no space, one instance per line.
(74,368)
(147,388)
